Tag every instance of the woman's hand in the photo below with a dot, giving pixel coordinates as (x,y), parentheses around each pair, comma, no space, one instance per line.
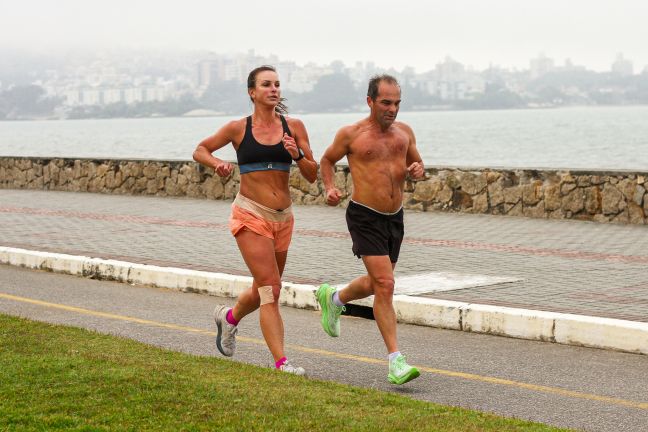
(223,169)
(291,146)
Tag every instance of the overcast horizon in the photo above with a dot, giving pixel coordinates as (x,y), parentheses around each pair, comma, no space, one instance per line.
(501,33)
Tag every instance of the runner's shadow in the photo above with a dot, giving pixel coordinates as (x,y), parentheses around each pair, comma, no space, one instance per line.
(407,391)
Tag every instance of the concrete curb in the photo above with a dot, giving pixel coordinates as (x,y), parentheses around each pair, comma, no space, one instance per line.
(561,328)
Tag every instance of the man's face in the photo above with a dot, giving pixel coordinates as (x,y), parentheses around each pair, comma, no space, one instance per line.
(385,108)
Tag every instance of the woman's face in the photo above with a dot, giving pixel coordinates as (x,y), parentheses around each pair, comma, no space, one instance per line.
(266,88)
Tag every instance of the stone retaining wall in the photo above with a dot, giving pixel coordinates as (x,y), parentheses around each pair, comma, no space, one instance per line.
(602,196)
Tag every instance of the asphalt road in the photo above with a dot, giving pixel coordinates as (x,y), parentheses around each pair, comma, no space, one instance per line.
(565,386)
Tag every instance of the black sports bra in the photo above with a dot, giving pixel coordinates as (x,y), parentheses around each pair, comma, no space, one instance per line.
(253,156)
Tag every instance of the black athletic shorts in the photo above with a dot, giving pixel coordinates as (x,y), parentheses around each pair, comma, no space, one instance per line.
(375,233)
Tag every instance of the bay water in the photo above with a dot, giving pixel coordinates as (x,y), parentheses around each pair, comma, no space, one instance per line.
(614,138)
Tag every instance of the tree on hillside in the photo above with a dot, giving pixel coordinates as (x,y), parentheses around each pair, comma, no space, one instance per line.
(21,101)
(495,96)
(226,96)
(331,93)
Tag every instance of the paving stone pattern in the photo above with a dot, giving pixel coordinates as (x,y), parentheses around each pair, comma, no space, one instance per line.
(566,266)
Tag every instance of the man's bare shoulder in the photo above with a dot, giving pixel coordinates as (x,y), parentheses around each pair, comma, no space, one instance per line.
(403,127)
(353,128)
(346,133)
(352,131)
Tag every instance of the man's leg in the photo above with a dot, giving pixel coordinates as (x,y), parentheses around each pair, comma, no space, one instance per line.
(359,288)
(332,308)
(381,279)
(381,275)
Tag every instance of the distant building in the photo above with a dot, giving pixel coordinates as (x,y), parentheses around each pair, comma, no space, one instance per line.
(233,71)
(570,66)
(204,74)
(90,96)
(450,81)
(621,66)
(449,70)
(303,80)
(155,94)
(106,96)
(285,70)
(541,66)
(133,95)
(236,67)
(72,97)
(110,96)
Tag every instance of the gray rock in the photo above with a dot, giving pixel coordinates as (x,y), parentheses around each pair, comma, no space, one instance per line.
(611,200)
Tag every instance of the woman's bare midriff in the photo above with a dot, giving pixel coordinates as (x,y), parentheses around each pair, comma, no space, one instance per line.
(268,188)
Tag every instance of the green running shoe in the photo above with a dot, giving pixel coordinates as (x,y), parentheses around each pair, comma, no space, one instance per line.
(400,372)
(330,312)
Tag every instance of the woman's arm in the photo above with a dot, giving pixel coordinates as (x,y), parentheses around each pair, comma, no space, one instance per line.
(222,137)
(301,145)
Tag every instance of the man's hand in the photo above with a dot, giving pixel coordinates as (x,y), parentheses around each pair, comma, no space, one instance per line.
(416,171)
(224,169)
(333,196)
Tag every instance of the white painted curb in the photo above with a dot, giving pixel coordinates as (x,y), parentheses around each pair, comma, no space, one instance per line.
(567,329)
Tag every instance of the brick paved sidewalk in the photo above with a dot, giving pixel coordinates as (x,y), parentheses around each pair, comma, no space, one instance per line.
(561,266)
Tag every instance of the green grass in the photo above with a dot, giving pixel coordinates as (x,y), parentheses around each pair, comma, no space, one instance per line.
(64,378)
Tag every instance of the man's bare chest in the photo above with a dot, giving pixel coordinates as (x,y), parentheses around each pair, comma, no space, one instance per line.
(380,148)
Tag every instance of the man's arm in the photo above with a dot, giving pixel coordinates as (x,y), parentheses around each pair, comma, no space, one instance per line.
(413,160)
(336,151)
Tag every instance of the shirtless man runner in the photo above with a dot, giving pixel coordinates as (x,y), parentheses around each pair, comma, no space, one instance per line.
(381,153)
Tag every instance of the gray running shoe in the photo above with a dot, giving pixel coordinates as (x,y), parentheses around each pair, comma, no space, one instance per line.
(288,368)
(226,336)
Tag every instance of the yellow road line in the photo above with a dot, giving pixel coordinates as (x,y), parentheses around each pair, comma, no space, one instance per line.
(361,359)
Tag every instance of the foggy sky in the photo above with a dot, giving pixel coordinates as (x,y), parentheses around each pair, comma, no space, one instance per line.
(411,33)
